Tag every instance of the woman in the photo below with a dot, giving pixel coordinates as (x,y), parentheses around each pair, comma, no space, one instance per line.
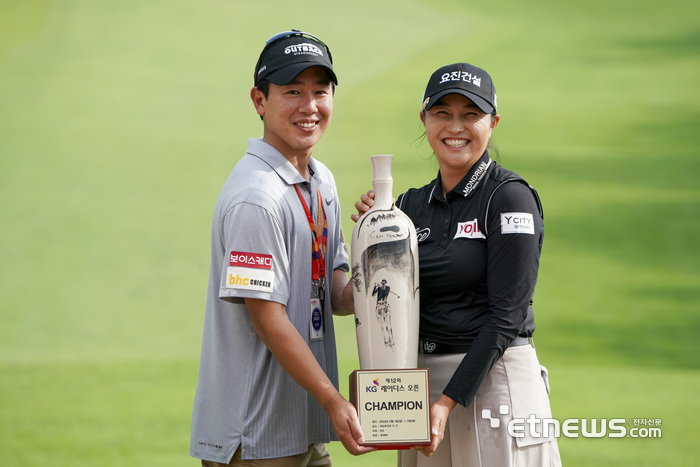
(480,233)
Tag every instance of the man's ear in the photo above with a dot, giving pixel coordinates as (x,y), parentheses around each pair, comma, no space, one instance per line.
(259,100)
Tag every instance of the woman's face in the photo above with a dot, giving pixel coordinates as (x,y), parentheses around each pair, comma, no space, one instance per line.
(458,132)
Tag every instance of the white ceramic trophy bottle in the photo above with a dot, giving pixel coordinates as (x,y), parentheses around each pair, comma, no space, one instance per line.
(385,279)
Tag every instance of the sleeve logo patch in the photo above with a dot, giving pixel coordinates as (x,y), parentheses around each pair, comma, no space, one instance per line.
(469,230)
(517,223)
(251,260)
(249,279)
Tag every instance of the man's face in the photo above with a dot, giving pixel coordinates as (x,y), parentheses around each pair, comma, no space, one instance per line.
(296,115)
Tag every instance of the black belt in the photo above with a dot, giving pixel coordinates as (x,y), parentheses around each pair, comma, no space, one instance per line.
(520,341)
(438,348)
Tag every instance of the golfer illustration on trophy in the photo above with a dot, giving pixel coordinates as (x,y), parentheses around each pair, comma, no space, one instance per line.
(385,280)
(383,311)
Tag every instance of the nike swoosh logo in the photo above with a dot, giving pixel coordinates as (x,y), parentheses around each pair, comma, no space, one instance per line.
(329,201)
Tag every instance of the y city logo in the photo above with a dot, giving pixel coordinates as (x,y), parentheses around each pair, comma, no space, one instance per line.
(517,223)
(373,387)
(573,427)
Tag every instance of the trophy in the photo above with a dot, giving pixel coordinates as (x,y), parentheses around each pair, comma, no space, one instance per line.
(391,395)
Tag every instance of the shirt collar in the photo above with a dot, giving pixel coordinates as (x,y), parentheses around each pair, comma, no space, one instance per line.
(469,184)
(276,160)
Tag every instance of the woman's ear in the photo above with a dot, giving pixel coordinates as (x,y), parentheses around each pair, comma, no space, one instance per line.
(494,121)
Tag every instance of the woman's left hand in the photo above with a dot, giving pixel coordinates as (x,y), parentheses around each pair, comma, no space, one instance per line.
(362,206)
(439,412)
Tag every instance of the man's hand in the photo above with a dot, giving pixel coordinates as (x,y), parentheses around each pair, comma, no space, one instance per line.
(346,425)
(439,412)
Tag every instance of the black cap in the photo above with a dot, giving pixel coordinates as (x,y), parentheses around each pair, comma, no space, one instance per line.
(461,78)
(289,53)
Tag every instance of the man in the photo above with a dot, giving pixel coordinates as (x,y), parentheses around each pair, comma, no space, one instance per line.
(268,377)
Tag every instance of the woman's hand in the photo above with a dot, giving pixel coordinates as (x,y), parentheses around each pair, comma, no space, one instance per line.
(439,412)
(362,206)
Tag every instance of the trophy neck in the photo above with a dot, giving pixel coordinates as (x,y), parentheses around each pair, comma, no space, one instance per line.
(382,194)
(382,181)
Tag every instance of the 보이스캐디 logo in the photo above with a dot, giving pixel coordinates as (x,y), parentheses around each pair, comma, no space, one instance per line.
(250,260)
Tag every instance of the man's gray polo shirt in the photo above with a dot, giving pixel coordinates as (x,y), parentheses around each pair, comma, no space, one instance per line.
(261,248)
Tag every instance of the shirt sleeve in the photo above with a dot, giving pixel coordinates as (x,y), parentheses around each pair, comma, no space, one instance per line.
(514,241)
(256,264)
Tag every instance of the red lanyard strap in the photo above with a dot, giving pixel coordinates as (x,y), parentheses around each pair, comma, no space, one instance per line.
(319,239)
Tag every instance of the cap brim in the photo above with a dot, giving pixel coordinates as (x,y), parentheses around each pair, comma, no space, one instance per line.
(287,74)
(480,102)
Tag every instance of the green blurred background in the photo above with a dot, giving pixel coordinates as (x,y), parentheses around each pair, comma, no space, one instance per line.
(120,121)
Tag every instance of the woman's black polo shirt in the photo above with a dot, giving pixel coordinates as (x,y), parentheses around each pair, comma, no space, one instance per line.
(479,253)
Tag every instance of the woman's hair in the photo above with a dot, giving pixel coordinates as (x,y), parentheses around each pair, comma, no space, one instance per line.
(491,145)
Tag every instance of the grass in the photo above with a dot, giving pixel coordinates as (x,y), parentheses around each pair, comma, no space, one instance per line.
(106,413)
(119,122)
(131,413)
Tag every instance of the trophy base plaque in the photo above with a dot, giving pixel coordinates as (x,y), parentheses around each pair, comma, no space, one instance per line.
(393,407)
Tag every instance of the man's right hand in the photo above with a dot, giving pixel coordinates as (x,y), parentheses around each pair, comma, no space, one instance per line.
(346,425)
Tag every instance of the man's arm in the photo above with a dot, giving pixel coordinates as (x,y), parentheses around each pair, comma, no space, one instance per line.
(341,295)
(291,351)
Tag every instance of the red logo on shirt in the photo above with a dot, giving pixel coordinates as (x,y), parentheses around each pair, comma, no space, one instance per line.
(469,230)
(251,260)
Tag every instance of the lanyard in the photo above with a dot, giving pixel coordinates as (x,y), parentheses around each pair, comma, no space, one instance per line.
(319,237)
